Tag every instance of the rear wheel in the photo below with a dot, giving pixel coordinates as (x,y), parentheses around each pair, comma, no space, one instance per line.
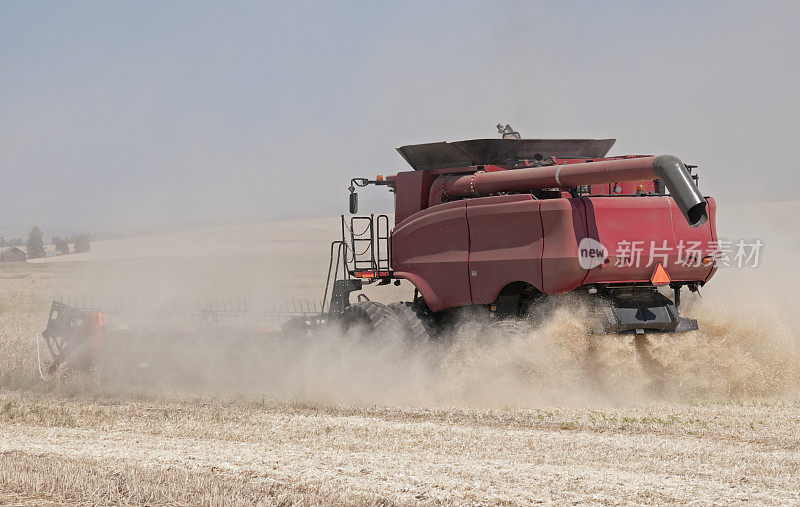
(415,320)
(375,319)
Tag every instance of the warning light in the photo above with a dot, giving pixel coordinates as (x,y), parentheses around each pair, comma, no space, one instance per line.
(660,276)
(371,274)
(379,177)
(707,260)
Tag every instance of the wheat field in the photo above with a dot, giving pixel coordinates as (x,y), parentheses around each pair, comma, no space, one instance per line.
(541,413)
(211,452)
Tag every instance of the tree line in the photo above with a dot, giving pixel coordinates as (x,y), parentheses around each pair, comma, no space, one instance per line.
(35,243)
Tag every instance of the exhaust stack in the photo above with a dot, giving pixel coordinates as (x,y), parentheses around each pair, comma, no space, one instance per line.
(670,170)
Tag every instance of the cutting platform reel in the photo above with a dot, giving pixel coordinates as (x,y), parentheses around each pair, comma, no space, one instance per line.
(73,337)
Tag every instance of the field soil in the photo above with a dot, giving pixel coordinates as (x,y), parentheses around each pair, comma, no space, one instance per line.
(543,411)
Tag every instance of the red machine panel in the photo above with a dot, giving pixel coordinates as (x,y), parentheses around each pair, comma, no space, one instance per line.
(431,249)
(640,232)
(505,244)
(564,226)
(411,193)
(712,219)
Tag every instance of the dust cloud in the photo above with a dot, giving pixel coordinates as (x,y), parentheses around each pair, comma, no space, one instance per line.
(525,364)
(747,346)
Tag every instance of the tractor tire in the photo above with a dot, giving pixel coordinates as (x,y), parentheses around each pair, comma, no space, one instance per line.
(415,320)
(377,319)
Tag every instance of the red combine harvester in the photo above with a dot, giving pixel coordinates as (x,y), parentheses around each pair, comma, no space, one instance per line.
(500,224)
(496,226)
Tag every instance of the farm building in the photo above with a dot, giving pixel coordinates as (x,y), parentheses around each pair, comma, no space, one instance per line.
(13,254)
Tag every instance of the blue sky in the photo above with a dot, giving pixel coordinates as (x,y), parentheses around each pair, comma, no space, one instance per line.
(134,115)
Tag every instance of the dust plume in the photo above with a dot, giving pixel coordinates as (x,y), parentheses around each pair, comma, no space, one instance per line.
(558,361)
(747,346)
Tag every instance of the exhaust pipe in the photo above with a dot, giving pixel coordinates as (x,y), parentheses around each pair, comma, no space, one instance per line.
(682,188)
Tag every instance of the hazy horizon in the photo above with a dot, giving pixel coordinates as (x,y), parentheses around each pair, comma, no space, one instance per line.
(128,116)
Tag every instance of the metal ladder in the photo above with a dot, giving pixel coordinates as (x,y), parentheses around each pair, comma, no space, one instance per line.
(369,242)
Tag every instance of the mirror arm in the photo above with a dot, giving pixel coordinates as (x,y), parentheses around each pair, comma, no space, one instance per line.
(363,182)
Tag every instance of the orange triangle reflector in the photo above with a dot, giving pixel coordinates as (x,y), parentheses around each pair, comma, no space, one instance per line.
(660,276)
